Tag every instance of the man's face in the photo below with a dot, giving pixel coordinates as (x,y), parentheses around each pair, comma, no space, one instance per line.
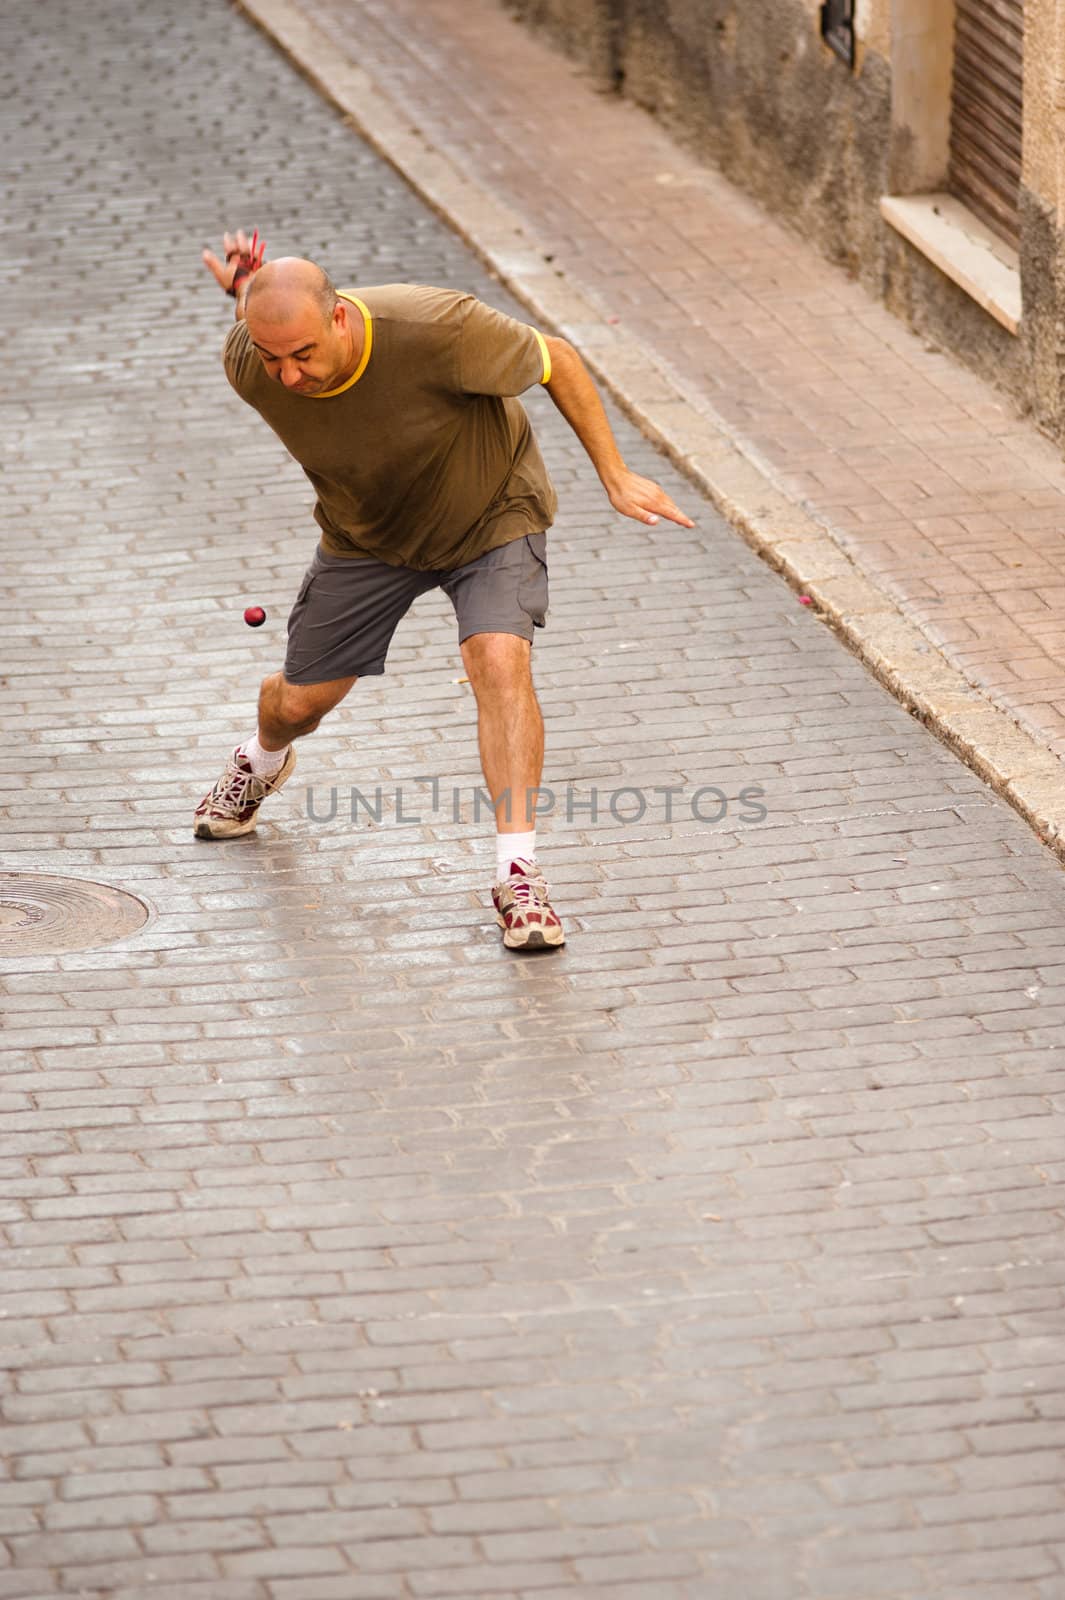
(303,353)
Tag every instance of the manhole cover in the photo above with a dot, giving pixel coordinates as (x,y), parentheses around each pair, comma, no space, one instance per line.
(49,916)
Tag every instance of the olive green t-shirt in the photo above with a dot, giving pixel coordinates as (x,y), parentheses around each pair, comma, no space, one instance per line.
(425,458)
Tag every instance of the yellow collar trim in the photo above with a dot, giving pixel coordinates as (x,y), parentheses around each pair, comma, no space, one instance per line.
(367,346)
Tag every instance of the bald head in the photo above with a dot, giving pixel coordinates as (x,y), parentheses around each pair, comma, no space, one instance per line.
(285,290)
(302,329)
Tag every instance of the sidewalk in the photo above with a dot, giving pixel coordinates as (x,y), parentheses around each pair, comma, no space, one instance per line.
(900,492)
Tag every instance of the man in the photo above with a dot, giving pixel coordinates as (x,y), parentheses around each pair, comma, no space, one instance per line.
(400,404)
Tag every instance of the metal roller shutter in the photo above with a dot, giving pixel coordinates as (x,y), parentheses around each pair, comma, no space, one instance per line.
(986,111)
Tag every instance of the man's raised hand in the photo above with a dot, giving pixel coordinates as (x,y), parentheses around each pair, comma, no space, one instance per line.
(243,258)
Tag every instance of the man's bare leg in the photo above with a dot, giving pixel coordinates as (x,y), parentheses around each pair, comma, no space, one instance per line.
(510,725)
(510,732)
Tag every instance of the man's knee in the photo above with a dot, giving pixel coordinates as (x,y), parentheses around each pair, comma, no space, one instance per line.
(498,663)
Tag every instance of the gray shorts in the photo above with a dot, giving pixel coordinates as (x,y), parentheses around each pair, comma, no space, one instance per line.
(348,609)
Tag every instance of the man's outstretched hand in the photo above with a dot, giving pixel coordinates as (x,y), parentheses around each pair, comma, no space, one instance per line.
(243,258)
(643,500)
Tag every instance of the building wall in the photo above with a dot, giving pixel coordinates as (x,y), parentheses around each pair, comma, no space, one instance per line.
(1043,210)
(752,94)
(752,89)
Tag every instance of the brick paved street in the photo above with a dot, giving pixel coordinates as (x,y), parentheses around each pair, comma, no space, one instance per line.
(347,1256)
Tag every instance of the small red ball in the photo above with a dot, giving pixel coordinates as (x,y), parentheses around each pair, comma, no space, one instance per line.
(255,616)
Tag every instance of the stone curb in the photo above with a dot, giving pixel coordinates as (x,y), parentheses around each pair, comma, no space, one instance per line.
(742,487)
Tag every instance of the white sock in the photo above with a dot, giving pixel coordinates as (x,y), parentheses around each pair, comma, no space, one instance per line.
(514,847)
(264,763)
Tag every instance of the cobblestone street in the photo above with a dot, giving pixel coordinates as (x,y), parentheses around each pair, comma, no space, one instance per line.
(346,1256)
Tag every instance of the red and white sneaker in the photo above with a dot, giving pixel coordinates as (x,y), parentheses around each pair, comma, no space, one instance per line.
(233,804)
(524,912)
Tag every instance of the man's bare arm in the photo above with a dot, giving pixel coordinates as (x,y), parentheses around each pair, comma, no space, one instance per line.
(571,388)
